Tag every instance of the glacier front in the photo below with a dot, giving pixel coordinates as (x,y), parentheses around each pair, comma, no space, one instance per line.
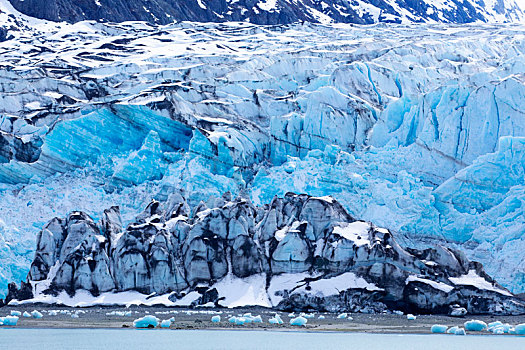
(417,128)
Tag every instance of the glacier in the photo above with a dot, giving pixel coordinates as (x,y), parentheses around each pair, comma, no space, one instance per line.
(417,128)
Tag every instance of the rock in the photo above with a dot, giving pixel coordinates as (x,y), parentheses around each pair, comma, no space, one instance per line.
(336,263)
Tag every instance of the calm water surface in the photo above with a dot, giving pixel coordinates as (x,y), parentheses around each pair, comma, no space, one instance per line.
(131,339)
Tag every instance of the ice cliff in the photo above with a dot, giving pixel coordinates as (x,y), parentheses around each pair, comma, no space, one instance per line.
(416,128)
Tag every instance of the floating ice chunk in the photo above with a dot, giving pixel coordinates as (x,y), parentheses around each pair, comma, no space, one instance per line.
(26,314)
(411,317)
(343,315)
(460,331)
(291,315)
(321,317)
(298,321)
(216,319)
(273,320)
(452,330)
(74,316)
(438,328)
(397,312)
(519,329)
(147,321)
(232,319)
(52,313)
(36,314)
(165,324)
(127,314)
(239,321)
(9,320)
(475,325)
(257,319)
(16,313)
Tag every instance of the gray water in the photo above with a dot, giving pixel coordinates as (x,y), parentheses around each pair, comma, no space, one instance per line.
(131,339)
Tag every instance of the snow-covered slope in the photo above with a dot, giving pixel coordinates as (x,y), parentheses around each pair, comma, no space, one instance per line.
(274,11)
(416,128)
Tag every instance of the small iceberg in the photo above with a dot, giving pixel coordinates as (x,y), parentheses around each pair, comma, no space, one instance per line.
(411,317)
(519,329)
(298,321)
(452,330)
(9,321)
(26,314)
(147,321)
(438,328)
(216,319)
(475,325)
(16,313)
(460,331)
(36,314)
(165,324)
(343,315)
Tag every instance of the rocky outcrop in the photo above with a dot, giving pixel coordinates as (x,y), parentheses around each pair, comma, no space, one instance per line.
(310,252)
(267,12)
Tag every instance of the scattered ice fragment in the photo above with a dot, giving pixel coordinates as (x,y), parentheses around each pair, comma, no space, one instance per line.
(36,314)
(273,320)
(343,315)
(291,315)
(475,325)
(397,312)
(438,328)
(26,314)
(411,317)
(9,320)
(519,329)
(458,312)
(165,324)
(298,321)
(147,321)
(16,313)
(216,319)
(452,330)
(321,317)
(460,331)
(239,321)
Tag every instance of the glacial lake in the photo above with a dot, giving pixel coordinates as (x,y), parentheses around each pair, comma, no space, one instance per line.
(131,339)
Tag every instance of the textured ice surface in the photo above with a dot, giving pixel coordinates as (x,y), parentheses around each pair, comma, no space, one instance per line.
(418,129)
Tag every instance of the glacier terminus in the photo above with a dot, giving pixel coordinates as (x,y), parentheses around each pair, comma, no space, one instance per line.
(190,159)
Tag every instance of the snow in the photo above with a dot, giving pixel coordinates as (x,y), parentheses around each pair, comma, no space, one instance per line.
(473,279)
(437,285)
(243,291)
(356,232)
(147,321)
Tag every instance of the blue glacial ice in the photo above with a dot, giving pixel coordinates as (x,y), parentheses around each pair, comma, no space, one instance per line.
(427,142)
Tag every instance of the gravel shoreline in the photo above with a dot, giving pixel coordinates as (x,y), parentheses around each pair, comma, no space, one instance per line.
(200,318)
